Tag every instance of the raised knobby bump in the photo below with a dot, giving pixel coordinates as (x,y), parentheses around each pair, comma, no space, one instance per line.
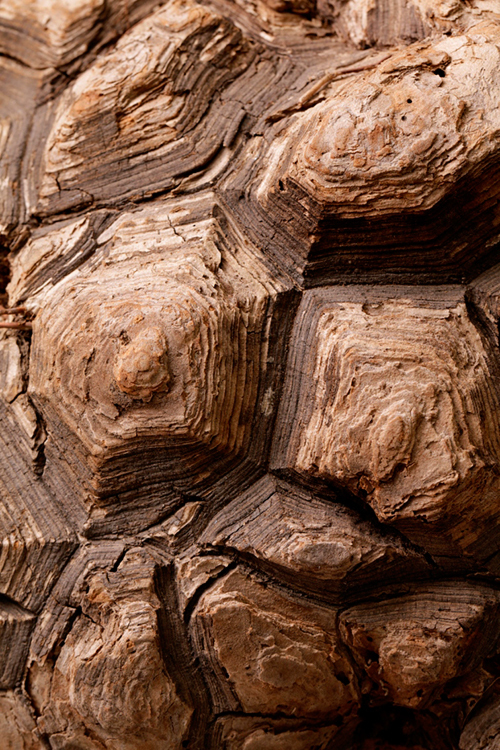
(141,368)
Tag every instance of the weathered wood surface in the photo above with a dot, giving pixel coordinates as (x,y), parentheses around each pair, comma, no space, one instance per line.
(250,392)
(402,411)
(189,324)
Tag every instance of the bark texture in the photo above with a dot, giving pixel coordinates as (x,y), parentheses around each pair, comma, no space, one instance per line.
(249,375)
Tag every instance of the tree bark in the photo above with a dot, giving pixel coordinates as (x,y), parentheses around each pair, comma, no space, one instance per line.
(249,375)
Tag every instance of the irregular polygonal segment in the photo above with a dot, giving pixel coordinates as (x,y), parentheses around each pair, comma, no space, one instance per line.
(156,350)
(310,542)
(369,23)
(398,403)
(411,647)
(156,98)
(267,652)
(383,22)
(391,22)
(46,33)
(392,175)
(109,681)
(52,33)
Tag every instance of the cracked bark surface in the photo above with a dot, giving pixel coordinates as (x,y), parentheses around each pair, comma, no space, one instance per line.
(249,375)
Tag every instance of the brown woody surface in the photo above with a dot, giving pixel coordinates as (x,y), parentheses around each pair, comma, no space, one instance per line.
(249,375)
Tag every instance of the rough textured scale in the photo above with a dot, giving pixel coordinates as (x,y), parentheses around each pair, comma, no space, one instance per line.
(392,178)
(413,647)
(246,503)
(311,543)
(268,653)
(55,33)
(166,361)
(400,405)
(148,104)
(106,685)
